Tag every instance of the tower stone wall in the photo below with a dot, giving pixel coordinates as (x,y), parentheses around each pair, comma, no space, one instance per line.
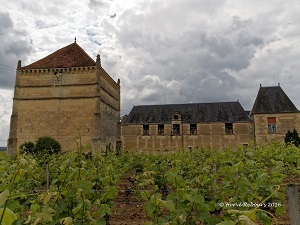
(73,105)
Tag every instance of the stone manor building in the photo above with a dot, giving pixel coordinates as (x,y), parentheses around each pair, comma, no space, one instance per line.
(68,96)
(213,125)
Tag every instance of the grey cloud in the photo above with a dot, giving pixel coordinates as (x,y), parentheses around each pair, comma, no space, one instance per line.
(96,4)
(13,47)
(5,22)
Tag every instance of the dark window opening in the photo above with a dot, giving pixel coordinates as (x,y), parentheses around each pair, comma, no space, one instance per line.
(193,128)
(228,128)
(176,129)
(161,129)
(146,130)
(176,117)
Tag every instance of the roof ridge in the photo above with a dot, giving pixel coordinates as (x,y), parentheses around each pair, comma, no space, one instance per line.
(194,103)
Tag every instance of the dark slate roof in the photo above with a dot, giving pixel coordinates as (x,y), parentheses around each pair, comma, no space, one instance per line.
(190,113)
(70,56)
(273,100)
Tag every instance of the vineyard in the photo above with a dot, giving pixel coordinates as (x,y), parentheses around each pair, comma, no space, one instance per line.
(198,186)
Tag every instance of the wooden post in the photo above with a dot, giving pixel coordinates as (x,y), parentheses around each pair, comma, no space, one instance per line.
(293,203)
(47,175)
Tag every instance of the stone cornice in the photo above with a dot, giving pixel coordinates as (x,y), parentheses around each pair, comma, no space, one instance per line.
(33,72)
(61,85)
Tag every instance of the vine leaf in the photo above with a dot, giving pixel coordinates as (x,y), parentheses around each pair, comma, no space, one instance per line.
(9,216)
(4,196)
(66,221)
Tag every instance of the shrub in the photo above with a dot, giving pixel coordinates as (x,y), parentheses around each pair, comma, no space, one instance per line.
(27,147)
(292,138)
(47,145)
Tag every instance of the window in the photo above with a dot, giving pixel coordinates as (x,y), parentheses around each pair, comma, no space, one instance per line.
(271,125)
(228,128)
(161,129)
(145,129)
(176,129)
(193,128)
(176,117)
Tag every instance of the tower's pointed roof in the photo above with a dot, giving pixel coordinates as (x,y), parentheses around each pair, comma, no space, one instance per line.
(273,100)
(70,56)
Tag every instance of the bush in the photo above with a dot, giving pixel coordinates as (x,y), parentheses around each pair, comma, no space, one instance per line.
(27,147)
(292,138)
(47,145)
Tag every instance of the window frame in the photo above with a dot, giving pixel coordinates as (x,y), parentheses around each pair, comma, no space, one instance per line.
(160,129)
(272,127)
(175,129)
(146,130)
(193,129)
(228,128)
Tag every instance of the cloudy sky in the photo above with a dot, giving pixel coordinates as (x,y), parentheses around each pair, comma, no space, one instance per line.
(164,51)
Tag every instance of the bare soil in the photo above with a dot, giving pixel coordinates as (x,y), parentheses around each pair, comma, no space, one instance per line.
(129,209)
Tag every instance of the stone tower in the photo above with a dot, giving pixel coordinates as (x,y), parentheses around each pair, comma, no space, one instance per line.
(67,96)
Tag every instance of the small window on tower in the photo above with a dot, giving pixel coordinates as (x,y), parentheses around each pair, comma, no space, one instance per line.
(272,125)
(146,130)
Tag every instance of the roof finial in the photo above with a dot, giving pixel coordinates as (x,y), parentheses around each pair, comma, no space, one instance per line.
(98,60)
(19,64)
(75,40)
(259,85)
(278,84)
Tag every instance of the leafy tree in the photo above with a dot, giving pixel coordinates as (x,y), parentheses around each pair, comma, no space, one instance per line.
(27,147)
(47,145)
(292,138)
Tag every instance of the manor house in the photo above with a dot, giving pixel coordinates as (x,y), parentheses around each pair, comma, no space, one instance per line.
(213,125)
(68,96)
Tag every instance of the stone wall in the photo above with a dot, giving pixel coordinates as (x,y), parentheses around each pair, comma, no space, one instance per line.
(284,122)
(210,135)
(65,104)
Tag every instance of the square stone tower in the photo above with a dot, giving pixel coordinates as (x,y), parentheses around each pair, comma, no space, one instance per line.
(67,96)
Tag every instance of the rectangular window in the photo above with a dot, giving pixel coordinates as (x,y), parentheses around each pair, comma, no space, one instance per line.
(228,128)
(176,129)
(271,125)
(146,130)
(161,129)
(193,128)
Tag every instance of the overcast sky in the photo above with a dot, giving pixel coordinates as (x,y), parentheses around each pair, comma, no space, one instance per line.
(164,51)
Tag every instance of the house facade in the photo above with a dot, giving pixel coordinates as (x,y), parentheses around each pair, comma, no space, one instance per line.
(183,126)
(68,96)
(210,125)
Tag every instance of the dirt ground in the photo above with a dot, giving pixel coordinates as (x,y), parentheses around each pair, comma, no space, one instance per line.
(129,209)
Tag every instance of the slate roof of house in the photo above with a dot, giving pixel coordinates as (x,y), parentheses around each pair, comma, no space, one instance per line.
(70,56)
(272,100)
(190,113)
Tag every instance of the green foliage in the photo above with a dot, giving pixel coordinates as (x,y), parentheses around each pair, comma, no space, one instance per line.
(195,187)
(292,138)
(27,147)
(47,145)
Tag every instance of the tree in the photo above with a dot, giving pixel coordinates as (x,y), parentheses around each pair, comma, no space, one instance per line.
(27,147)
(47,145)
(292,138)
